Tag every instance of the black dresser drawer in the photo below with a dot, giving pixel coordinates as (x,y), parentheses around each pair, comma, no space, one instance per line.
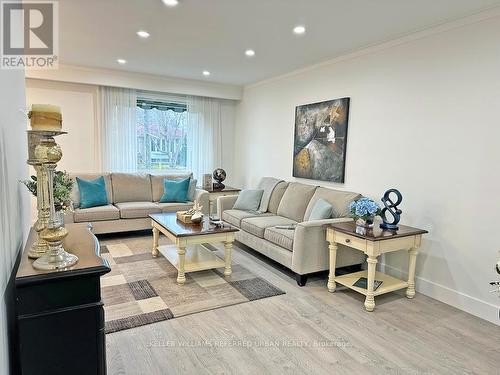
(59,314)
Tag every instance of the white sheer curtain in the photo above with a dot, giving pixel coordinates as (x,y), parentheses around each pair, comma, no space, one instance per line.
(118,129)
(204,141)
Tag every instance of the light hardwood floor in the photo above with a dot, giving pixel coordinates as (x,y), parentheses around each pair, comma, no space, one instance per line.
(310,331)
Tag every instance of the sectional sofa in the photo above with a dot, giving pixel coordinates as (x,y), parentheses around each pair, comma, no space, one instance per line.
(132,197)
(304,249)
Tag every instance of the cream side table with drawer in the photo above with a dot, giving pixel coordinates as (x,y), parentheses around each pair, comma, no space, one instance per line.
(213,194)
(373,242)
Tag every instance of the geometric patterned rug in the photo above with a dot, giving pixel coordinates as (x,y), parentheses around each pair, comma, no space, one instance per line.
(142,290)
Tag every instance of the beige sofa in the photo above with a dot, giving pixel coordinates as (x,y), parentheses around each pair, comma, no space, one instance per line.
(304,249)
(132,197)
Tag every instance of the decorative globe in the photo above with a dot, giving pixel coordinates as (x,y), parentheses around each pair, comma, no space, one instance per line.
(219,175)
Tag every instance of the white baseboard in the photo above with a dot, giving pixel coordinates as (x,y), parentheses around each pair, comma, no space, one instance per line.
(462,301)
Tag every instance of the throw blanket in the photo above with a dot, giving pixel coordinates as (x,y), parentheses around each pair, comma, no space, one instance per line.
(267,184)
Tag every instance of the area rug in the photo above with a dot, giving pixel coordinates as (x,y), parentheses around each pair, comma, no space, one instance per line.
(142,290)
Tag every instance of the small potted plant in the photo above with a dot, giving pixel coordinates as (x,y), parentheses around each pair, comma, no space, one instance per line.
(364,211)
(62,190)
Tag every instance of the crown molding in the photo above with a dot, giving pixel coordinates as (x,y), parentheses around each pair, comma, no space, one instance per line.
(140,81)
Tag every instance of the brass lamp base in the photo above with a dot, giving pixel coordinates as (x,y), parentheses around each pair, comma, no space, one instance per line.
(38,249)
(40,246)
(56,257)
(55,260)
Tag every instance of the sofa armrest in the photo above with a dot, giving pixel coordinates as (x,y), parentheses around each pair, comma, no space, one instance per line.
(310,248)
(69,217)
(225,203)
(201,196)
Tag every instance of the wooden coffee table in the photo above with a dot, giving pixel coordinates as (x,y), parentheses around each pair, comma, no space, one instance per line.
(189,254)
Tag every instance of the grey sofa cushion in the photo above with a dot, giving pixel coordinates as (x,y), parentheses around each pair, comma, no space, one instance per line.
(337,198)
(75,193)
(157,182)
(175,206)
(276,196)
(129,187)
(258,225)
(108,212)
(132,210)
(234,217)
(280,237)
(295,200)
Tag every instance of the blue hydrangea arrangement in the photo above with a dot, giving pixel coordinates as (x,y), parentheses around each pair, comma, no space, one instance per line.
(364,208)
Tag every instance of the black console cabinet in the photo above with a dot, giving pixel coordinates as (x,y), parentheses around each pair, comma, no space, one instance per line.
(60,315)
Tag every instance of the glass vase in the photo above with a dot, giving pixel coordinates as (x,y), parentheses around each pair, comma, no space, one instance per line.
(365,223)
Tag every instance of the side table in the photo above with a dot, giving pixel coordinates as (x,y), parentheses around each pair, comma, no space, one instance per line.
(213,194)
(373,242)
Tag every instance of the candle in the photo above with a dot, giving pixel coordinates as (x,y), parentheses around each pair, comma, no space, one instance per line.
(45,108)
(45,117)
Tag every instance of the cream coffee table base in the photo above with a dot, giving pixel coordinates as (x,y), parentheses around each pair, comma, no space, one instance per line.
(197,258)
(188,253)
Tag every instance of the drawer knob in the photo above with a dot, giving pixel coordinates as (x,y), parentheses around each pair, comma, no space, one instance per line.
(347,240)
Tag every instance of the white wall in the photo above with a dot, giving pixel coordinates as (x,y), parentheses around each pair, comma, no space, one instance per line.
(424,118)
(228,118)
(14,210)
(79,105)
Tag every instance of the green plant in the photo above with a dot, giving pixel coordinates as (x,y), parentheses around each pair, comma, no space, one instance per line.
(63,184)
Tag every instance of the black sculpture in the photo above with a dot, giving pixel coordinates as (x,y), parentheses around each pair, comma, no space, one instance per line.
(393,210)
(496,284)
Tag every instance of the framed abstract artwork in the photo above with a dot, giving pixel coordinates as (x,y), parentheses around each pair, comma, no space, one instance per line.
(320,140)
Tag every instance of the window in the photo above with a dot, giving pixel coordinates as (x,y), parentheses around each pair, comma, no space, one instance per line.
(161,135)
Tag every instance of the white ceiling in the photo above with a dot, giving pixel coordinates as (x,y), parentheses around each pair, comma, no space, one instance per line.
(212,35)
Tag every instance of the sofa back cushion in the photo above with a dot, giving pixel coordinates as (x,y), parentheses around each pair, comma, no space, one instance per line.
(337,198)
(157,182)
(295,200)
(130,187)
(276,195)
(75,193)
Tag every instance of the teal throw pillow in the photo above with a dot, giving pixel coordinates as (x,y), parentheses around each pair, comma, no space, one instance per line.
(322,209)
(248,200)
(175,191)
(92,193)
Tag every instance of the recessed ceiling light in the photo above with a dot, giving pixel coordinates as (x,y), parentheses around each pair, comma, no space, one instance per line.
(143,34)
(206,73)
(170,3)
(121,61)
(250,52)
(299,29)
